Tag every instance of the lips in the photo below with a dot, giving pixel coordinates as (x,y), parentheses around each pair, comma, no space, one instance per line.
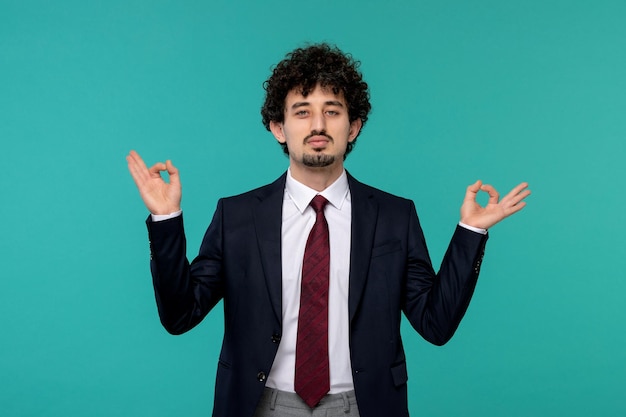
(317,141)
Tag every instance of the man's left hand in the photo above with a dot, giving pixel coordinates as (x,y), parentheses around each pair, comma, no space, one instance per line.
(474,215)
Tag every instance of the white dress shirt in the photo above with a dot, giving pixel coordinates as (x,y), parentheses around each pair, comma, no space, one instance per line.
(297,222)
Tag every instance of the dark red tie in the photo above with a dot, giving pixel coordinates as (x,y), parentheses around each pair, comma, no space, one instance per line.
(312,379)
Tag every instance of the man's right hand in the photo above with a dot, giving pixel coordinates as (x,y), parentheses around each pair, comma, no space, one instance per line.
(159,196)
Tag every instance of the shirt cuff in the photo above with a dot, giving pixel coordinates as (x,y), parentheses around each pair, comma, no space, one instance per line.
(473,229)
(161,217)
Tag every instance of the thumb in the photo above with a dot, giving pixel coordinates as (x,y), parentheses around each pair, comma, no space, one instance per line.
(476,186)
(472,190)
(172,171)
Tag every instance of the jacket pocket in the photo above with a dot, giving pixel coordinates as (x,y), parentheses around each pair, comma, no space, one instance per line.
(399,374)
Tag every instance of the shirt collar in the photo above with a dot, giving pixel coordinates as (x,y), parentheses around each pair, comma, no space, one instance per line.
(302,195)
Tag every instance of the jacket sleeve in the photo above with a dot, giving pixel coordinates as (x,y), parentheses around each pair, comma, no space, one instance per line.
(185,292)
(435,303)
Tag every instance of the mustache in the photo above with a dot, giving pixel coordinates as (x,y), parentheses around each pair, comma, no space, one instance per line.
(318,133)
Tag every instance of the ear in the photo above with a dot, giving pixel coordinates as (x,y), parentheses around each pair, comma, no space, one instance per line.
(355,128)
(277,131)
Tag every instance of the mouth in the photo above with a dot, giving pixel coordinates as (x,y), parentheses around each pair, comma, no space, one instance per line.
(317,141)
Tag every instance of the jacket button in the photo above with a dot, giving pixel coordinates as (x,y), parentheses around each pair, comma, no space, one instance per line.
(261,376)
(275,338)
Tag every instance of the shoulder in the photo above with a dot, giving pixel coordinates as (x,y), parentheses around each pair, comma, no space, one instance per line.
(268,198)
(360,191)
(260,193)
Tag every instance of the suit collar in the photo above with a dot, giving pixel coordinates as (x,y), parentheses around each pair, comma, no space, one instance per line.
(301,195)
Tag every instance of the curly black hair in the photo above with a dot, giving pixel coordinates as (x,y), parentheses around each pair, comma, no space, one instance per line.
(305,68)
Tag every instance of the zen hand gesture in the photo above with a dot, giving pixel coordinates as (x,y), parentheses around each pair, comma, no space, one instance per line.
(474,215)
(159,196)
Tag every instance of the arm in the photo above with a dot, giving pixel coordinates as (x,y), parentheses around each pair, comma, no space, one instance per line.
(184,293)
(436,304)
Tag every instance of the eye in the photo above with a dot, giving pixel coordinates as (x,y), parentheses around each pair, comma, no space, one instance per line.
(332,112)
(301,113)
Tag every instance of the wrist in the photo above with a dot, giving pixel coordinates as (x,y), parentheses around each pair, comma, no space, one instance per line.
(161,217)
(480,230)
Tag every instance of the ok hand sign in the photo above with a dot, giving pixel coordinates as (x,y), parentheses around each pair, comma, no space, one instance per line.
(496,210)
(159,196)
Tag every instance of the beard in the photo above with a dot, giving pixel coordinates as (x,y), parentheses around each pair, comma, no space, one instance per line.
(317,160)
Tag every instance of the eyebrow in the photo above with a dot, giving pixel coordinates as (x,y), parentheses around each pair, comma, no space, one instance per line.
(299,104)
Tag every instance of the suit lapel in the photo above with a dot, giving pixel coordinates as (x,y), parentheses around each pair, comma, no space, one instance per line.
(364,216)
(268,221)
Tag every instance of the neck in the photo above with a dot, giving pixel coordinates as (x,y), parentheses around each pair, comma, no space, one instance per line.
(316,178)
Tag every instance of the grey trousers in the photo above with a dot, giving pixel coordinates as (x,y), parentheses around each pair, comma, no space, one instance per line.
(275,403)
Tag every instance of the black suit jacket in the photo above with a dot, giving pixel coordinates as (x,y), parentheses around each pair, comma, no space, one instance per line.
(240,262)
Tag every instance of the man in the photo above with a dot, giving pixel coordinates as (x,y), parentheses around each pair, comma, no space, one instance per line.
(313,287)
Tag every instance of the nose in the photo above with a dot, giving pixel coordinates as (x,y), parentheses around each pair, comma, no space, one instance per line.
(318,123)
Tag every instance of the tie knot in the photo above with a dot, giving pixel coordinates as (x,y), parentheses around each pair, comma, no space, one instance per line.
(318,203)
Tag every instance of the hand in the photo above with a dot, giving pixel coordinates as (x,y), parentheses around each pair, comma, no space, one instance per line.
(158,196)
(474,215)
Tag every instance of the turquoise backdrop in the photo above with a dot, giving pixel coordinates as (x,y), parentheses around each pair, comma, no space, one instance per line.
(504,91)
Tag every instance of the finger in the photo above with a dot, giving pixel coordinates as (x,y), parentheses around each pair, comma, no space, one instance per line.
(134,158)
(136,162)
(472,190)
(137,168)
(493,194)
(517,194)
(514,209)
(516,199)
(518,188)
(171,169)
(157,168)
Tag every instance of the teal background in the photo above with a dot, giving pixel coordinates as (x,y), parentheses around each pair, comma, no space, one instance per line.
(503,91)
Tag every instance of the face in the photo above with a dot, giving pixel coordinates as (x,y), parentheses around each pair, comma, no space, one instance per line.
(316,129)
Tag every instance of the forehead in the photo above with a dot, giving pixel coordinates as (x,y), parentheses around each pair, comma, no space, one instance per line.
(317,94)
